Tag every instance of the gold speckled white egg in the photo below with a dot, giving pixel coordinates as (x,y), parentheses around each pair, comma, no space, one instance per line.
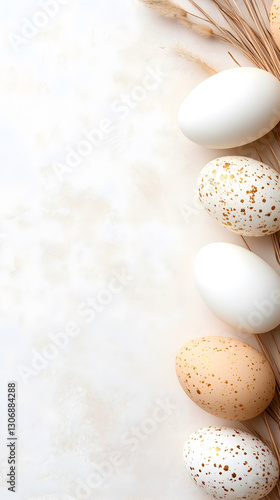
(225,377)
(230,464)
(242,194)
(274,20)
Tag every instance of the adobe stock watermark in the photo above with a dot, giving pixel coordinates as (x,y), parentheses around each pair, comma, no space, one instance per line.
(86,311)
(121,109)
(129,444)
(262,310)
(195,208)
(30,28)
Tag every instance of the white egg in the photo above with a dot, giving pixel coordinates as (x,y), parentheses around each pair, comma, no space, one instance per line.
(242,194)
(239,287)
(231,108)
(230,464)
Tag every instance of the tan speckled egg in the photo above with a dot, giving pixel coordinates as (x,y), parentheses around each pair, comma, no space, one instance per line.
(225,377)
(274,20)
(230,464)
(242,194)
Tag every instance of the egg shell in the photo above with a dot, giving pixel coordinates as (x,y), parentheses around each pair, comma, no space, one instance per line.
(225,377)
(230,464)
(242,194)
(239,287)
(274,21)
(232,108)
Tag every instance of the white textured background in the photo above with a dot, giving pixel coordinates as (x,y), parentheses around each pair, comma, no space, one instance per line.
(102,416)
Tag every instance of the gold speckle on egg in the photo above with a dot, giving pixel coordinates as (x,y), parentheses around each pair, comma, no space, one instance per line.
(252,478)
(234,198)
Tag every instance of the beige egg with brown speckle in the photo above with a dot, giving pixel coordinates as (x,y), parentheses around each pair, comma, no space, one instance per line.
(274,21)
(242,194)
(225,377)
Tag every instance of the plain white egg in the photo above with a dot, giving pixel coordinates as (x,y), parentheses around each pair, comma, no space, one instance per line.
(239,287)
(231,108)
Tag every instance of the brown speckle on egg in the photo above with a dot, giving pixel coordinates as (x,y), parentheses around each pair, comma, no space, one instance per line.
(274,19)
(231,478)
(242,382)
(242,199)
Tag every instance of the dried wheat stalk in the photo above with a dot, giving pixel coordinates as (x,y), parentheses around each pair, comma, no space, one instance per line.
(246,29)
(173,11)
(189,56)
